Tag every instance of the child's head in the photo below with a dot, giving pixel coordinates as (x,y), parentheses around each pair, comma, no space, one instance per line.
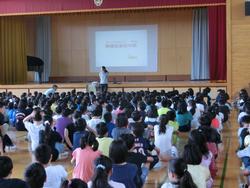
(182,107)
(191,103)
(136,116)
(66,112)
(152,112)
(129,139)
(118,151)
(109,108)
(103,166)
(58,109)
(89,140)
(77,115)
(138,129)
(81,124)
(190,91)
(43,154)
(192,154)
(245,121)
(141,106)
(121,120)
(102,129)
(35,175)
(197,137)
(98,111)
(74,183)
(37,116)
(107,117)
(177,172)
(165,103)
(171,115)
(6,166)
(205,120)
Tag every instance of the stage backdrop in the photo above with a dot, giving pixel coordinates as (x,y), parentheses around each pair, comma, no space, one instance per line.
(70,44)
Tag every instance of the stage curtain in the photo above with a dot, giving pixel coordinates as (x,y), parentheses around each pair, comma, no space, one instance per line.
(43,45)
(49,6)
(217,42)
(200,53)
(13,60)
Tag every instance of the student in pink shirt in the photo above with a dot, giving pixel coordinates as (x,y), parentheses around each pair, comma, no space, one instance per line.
(84,157)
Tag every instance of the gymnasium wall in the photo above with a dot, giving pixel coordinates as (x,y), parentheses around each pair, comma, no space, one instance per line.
(70,49)
(239,45)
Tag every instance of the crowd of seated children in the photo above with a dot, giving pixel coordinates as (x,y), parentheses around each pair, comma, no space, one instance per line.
(243,133)
(133,129)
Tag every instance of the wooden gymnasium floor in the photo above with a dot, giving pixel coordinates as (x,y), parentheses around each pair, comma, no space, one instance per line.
(228,164)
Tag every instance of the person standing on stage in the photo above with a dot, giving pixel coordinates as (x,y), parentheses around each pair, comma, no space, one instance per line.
(104,79)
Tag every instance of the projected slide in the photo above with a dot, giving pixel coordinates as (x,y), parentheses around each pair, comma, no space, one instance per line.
(123,49)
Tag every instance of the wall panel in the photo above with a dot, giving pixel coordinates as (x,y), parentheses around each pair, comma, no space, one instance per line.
(70,42)
(240,46)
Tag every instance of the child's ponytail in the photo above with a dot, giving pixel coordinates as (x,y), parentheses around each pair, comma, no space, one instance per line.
(103,166)
(90,140)
(186,180)
(179,167)
(163,124)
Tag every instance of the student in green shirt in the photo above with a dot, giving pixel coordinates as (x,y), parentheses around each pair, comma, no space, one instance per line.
(165,107)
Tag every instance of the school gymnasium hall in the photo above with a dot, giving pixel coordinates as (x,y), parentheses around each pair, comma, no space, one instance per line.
(154,52)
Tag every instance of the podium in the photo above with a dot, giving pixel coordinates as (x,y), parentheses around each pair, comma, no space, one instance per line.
(94,87)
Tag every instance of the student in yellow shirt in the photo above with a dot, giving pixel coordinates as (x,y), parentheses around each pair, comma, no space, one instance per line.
(165,107)
(103,139)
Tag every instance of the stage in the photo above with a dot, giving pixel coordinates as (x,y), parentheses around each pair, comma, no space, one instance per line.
(124,86)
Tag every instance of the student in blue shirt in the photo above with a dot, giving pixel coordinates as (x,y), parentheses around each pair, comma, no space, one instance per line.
(122,171)
(183,117)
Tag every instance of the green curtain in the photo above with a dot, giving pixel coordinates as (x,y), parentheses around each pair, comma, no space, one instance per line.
(13,60)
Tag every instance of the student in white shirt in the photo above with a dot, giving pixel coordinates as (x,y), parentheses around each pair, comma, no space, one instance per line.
(56,173)
(245,112)
(35,127)
(163,139)
(50,91)
(103,170)
(96,118)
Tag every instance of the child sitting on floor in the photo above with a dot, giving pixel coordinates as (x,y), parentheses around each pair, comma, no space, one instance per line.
(143,145)
(84,157)
(178,175)
(141,161)
(56,173)
(244,155)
